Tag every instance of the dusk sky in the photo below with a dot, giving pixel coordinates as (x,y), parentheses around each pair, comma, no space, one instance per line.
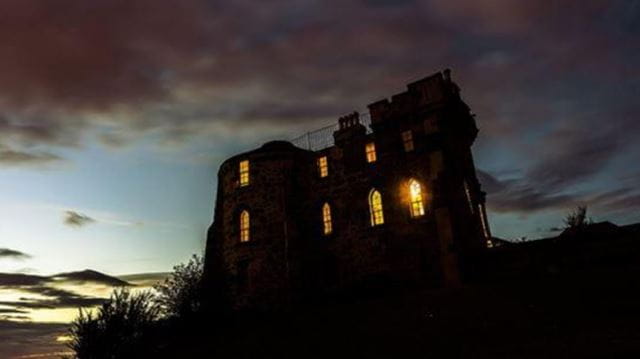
(115,114)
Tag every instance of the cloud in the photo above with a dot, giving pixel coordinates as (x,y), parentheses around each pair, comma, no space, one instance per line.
(90,276)
(145,279)
(10,157)
(13,254)
(531,194)
(75,219)
(85,276)
(232,65)
(28,338)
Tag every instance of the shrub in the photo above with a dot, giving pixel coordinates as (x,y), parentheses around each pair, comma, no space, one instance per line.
(121,327)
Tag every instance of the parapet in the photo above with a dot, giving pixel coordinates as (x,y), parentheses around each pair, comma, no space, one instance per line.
(420,94)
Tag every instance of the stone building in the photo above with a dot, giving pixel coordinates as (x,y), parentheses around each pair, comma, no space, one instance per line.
(395,200)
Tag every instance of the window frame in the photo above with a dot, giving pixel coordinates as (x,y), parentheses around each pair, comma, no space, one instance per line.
(376,208)
(245,226)
(416,198)
(327,219)
(243,173)
(370,152)
(407,141)
(323,166)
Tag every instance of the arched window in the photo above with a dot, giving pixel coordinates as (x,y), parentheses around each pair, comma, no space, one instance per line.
(244,226)
(375,208)
(326,219)
(416,199)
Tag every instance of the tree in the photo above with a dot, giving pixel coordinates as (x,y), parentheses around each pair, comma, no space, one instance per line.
(121,328)
(577,219)
(180,295)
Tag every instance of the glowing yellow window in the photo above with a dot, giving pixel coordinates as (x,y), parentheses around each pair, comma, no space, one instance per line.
(326,219)
(323,166)
(370,150)
(244,173)
(415,196)
(244,226)
(375,208)
(407,141)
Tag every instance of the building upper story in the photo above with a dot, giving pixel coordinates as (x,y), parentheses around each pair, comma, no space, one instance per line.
(395,196)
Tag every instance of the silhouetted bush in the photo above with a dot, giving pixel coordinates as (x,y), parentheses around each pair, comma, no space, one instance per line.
(180,294)
(131,325)
(121,328)
(577,219)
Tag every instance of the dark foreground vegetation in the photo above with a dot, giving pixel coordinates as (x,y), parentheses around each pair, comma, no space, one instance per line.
(538,300)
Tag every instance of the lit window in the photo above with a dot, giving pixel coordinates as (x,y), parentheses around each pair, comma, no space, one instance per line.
(244,226)
(323,166)
(244,173)
(326,219)
(415,195)
(407,141)
(370,149)
(375,208)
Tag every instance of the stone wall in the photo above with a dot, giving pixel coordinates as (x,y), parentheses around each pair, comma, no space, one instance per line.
(289,257)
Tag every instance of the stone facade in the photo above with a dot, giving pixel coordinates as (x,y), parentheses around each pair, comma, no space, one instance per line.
(289,256)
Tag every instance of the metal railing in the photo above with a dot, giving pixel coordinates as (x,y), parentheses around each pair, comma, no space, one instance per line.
(322,138)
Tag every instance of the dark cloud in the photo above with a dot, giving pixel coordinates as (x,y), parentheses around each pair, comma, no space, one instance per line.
(90,276)
(10,157)
(52,298)
(519,196)
(44,292)
(144,279)
(554,84)
(13,254)
(531,194)
(29,338)
(75,219)
(201,65)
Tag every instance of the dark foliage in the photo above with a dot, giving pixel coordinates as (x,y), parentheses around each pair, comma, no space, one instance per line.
(122,327)
(180,295)
(149,324)
(577,219)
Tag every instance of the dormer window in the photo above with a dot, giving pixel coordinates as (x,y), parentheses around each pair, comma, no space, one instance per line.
(407,141)
(323,167)
(370,150)
(244,173)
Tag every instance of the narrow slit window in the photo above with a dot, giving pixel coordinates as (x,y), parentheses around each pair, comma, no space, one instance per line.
(407,141)
(323,166)
(244,226)
(370,150)
(375,208)
(416,198)
(326,219)
(468,194)
(244,173)
(483,221)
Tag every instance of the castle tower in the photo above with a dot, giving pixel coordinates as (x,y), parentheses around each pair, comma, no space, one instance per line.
(396,203)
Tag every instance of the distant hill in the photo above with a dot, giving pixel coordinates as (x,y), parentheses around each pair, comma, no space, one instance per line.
(89,275)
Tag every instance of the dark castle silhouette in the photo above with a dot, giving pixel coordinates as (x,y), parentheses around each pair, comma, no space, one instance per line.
(396,200)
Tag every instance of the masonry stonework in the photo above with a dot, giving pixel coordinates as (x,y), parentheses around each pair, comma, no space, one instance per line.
(290,257)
